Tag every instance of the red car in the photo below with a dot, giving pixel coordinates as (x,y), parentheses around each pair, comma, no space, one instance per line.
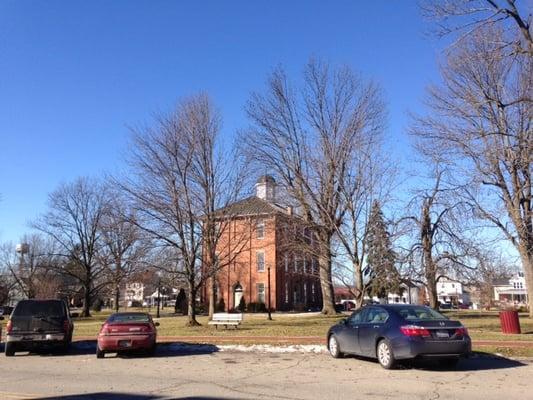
(129,331)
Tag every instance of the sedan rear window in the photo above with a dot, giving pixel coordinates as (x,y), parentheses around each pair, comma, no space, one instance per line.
(129,318)
(46,308)
(419,313)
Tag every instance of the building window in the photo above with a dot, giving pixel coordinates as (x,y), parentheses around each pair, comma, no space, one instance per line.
(305,266)
(260,261)
(261,293)
(286,292)
(313,292)
(295,264)
(305,292)
(286,263)
(260,229)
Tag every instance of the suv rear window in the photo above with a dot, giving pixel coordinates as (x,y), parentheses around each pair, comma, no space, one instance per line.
(28,308)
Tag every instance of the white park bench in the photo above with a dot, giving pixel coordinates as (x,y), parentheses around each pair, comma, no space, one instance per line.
(226,319)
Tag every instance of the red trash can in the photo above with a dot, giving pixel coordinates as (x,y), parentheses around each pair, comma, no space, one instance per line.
(509,322)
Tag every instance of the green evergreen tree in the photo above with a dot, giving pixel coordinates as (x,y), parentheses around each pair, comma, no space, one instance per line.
(384,277)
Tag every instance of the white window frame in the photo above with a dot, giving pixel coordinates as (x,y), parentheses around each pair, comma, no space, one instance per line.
(260,228)
(286,263)
(295,264)
(260,266)
(259,292)
(305,265)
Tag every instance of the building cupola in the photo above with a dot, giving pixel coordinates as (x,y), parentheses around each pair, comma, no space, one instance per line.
(265,188)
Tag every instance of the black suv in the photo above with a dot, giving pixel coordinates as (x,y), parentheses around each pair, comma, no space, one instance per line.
(36,324)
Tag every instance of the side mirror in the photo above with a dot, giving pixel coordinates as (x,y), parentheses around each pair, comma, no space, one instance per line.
(156,324)
(74,315)
(1,318)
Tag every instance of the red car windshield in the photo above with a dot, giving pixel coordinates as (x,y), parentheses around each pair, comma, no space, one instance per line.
(129,317)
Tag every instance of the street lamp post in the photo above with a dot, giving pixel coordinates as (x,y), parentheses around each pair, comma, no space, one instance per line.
(158,293)
(268,310)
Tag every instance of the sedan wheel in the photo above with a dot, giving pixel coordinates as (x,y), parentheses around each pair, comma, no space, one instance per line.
(385,354)
(99,353)
(333,346)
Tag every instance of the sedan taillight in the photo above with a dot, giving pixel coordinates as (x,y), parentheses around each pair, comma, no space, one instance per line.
(105,330)
(415,330)
(66,326)
(462,331)
(9,327)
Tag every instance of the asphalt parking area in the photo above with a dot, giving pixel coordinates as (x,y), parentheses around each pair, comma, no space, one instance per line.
(184,372)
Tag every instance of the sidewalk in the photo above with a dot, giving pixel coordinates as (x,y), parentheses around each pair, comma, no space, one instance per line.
(290,340)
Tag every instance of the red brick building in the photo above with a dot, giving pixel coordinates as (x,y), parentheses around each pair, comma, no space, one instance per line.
(272,238)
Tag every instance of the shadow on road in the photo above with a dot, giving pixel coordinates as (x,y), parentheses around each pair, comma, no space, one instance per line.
(478,362)
(88,347)
(163,349)
(125,396)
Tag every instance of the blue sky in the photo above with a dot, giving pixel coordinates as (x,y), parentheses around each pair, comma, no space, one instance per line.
(75,74)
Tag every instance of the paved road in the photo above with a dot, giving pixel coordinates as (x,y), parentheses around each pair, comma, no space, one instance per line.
(209,374)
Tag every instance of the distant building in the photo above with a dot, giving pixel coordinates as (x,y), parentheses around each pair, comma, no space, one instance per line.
(452,292)
(512,290)
(269,232)
(409,294)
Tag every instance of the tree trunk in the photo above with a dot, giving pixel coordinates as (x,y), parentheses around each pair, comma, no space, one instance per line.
(359,285)
(86,312)
(212,300)
(432,294)
(191,309)
(527,267)
(117,297)
(326,282)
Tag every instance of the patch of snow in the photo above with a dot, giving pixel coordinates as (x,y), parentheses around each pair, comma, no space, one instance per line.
(265,348)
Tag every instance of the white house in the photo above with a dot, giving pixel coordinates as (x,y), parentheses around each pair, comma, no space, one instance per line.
(452,292)
(513,291)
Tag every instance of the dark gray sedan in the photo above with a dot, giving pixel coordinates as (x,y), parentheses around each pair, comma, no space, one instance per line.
(399,332)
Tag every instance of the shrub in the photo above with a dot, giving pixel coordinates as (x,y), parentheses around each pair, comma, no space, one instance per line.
(242,305)
(256,307)
(97,305)
(221,306)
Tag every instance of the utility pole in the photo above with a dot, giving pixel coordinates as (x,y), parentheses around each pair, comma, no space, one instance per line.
(268,310)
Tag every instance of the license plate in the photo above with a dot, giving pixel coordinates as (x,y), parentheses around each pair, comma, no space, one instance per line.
(443,334)
(124,343)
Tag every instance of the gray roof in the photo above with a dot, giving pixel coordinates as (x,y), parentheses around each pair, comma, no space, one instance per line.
(251,206)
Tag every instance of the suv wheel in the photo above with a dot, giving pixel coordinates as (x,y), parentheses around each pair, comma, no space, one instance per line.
(333,346)
(10,349)
(385,354)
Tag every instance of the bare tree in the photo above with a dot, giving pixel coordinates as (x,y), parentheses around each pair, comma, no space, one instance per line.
(178,180)
(123,246)
(73,220)
(481,119)
(440,232)
(372,179)
(308,138)
(469,17)
(29,271)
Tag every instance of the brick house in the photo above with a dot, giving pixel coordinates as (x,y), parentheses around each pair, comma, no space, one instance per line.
(276,242)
